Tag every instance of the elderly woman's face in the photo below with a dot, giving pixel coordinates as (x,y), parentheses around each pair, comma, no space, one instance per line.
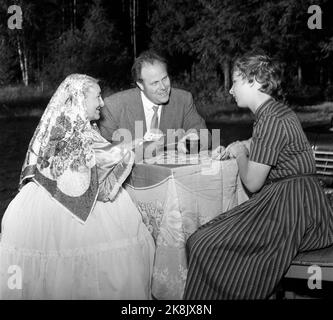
(94,102)
(241,89)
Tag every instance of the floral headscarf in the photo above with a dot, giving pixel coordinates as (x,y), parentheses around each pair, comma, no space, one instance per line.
(60,156)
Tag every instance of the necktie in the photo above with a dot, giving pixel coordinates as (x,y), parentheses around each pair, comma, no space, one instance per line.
(154,120)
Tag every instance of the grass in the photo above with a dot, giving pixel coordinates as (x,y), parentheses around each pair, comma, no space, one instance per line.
(23,101)
(309,115)
(315,114)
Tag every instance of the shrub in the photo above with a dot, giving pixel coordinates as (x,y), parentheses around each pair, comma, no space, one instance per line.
(304,95)
(328,93)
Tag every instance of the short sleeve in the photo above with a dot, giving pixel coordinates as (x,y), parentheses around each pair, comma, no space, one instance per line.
(267,141)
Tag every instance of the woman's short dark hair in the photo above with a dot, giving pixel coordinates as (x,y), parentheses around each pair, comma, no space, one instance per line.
(149,57)
(263,69)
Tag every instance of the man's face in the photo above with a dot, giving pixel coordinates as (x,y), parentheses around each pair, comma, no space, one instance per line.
(155,82)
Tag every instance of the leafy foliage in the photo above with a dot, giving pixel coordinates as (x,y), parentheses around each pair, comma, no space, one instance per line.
(94,50)
(201,38)
(212,33)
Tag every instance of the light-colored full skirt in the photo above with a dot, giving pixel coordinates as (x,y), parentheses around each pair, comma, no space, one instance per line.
(47,254)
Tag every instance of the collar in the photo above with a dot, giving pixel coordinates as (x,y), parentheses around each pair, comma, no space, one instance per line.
(261,109)
(147,104)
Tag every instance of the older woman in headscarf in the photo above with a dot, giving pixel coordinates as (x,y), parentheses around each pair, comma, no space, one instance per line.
(72,231)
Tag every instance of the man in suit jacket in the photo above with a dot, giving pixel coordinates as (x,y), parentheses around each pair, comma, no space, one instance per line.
(152,105)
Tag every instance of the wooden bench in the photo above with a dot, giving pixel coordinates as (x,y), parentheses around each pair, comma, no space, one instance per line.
(296,281)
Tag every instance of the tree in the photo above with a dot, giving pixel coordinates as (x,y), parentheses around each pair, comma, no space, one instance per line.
(223,31)
(8,61)
(213,33)
(105,54)
(17,38)
(94,49)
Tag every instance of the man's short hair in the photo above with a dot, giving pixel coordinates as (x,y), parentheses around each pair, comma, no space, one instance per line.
(261,68)
(149,57)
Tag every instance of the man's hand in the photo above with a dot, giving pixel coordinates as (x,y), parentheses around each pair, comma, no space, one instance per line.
(181,146)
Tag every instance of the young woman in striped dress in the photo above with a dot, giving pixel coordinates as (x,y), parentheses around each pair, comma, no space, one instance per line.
(244,253)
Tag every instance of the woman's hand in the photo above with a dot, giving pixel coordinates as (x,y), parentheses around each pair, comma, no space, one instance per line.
(219,153)
(237,149)
(247,144)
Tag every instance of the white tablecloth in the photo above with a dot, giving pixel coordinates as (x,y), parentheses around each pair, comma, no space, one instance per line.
(174,201)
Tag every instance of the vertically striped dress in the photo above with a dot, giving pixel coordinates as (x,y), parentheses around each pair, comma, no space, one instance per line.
(243,254)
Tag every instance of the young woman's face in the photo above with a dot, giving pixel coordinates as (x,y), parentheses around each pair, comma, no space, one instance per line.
(94,102)
(241,90)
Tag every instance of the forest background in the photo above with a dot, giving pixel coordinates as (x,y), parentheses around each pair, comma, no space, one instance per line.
(200,39)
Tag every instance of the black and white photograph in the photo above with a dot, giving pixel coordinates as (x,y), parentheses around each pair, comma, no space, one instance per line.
(160,151)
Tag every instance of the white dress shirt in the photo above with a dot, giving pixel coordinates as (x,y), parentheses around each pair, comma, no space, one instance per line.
(149,112)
